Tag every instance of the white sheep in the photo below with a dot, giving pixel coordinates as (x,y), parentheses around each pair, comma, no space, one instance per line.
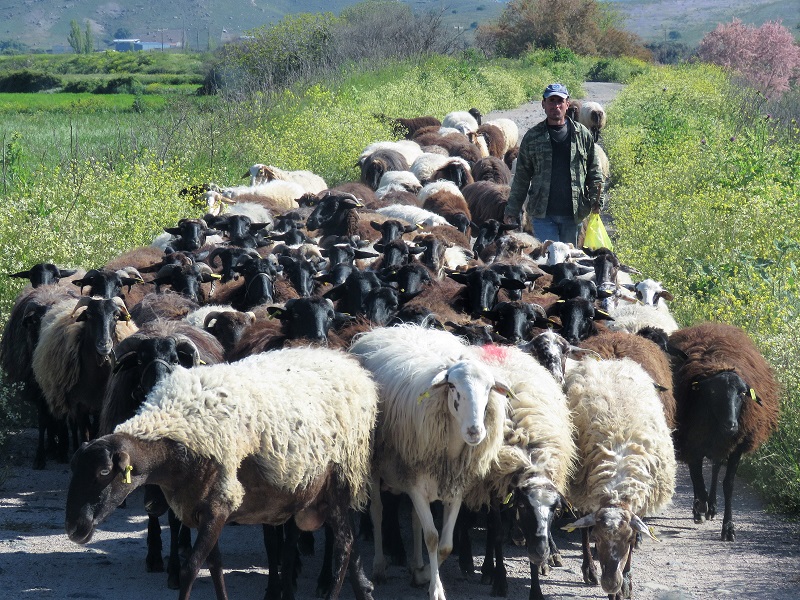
(398,181)
(633,316)
(429,163)
(429,189)
(593,116)
(510,130)
(279,434)
(279,194)
(462,120)
(408,148)
(309,181)
(440,426)
(533,468)
(626,462)
(413,215)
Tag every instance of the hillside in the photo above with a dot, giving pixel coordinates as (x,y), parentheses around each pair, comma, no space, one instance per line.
(203,24)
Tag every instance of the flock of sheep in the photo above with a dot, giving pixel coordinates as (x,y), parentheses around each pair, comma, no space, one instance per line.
(304,351)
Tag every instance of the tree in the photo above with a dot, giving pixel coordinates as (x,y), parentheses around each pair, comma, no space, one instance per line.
(88,40)
(122,33)
(80,42)
(583,26)
(75,37)
(767,56)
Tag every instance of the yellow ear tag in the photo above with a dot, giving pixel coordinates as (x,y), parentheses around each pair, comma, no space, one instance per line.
(423,396)
(126,476)
(569,528)
(653,533)
(508,498)
(200,361)
(753,394)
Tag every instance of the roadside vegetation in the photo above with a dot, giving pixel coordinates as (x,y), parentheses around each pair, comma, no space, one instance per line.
(705,169)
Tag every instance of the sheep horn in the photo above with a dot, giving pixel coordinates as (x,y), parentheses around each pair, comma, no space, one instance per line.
(122,308)
(210,317)
(82,301)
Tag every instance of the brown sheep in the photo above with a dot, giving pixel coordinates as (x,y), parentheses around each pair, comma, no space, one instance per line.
(727,404)
(491,168)
(493,138)
(486,200)
(614,344)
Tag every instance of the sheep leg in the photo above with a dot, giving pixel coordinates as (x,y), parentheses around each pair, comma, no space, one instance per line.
(466,520)
(290,558)
(214,563)
(325,579)
(419,576)
(536,587)
(422,508)
(711,511)
(588,568)
(154,562)
(499,582)
(45,429)
(451,510)
(376,515)
(627,582)
(555,556)
(700,506)
(180,545)
(273,542)
(206,543)
(728,533)
(391,522)
(487,568)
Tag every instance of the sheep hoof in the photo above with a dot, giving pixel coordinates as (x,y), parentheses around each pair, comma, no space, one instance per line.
(556,560)
(544,569)
(699,510)
(590,575)
(711,512)
(728,534)
(421,576)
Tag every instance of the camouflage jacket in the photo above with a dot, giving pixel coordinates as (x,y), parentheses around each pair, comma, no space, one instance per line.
(534,166)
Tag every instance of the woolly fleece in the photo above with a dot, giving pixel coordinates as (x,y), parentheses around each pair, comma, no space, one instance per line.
(299,410)
(625,452)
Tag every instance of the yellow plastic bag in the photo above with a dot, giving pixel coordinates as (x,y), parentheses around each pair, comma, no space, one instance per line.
(596,234)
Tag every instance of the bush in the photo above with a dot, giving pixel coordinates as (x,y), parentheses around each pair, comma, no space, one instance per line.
(121,85)
(620,70)
(28,82)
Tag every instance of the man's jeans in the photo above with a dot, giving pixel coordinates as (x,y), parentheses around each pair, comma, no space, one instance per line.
(558,229)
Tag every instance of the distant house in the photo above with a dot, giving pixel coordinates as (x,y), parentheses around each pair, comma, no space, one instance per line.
(126,45)
(164,39)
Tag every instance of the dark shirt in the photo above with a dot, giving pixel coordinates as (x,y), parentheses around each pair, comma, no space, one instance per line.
(559,202)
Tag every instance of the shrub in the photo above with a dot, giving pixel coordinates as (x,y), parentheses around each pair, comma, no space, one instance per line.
(27,82)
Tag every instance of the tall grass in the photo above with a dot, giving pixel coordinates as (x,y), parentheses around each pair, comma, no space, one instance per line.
(705,198)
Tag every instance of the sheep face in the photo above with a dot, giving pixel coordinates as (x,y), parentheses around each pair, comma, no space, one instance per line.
(551,350)
(468,387)
(650,292)
(536,503)
(614,533)
(721,397)
(381,305)
(96,488)
(307,318)
(44,274)
(514,320)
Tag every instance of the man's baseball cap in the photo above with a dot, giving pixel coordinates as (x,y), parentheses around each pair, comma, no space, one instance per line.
(556,89)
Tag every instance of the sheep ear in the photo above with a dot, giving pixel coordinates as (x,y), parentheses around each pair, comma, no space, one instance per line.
(375,225)
(587,521)
(122,460)
(503,388)
(21,274)
(666,295)
(439,379)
